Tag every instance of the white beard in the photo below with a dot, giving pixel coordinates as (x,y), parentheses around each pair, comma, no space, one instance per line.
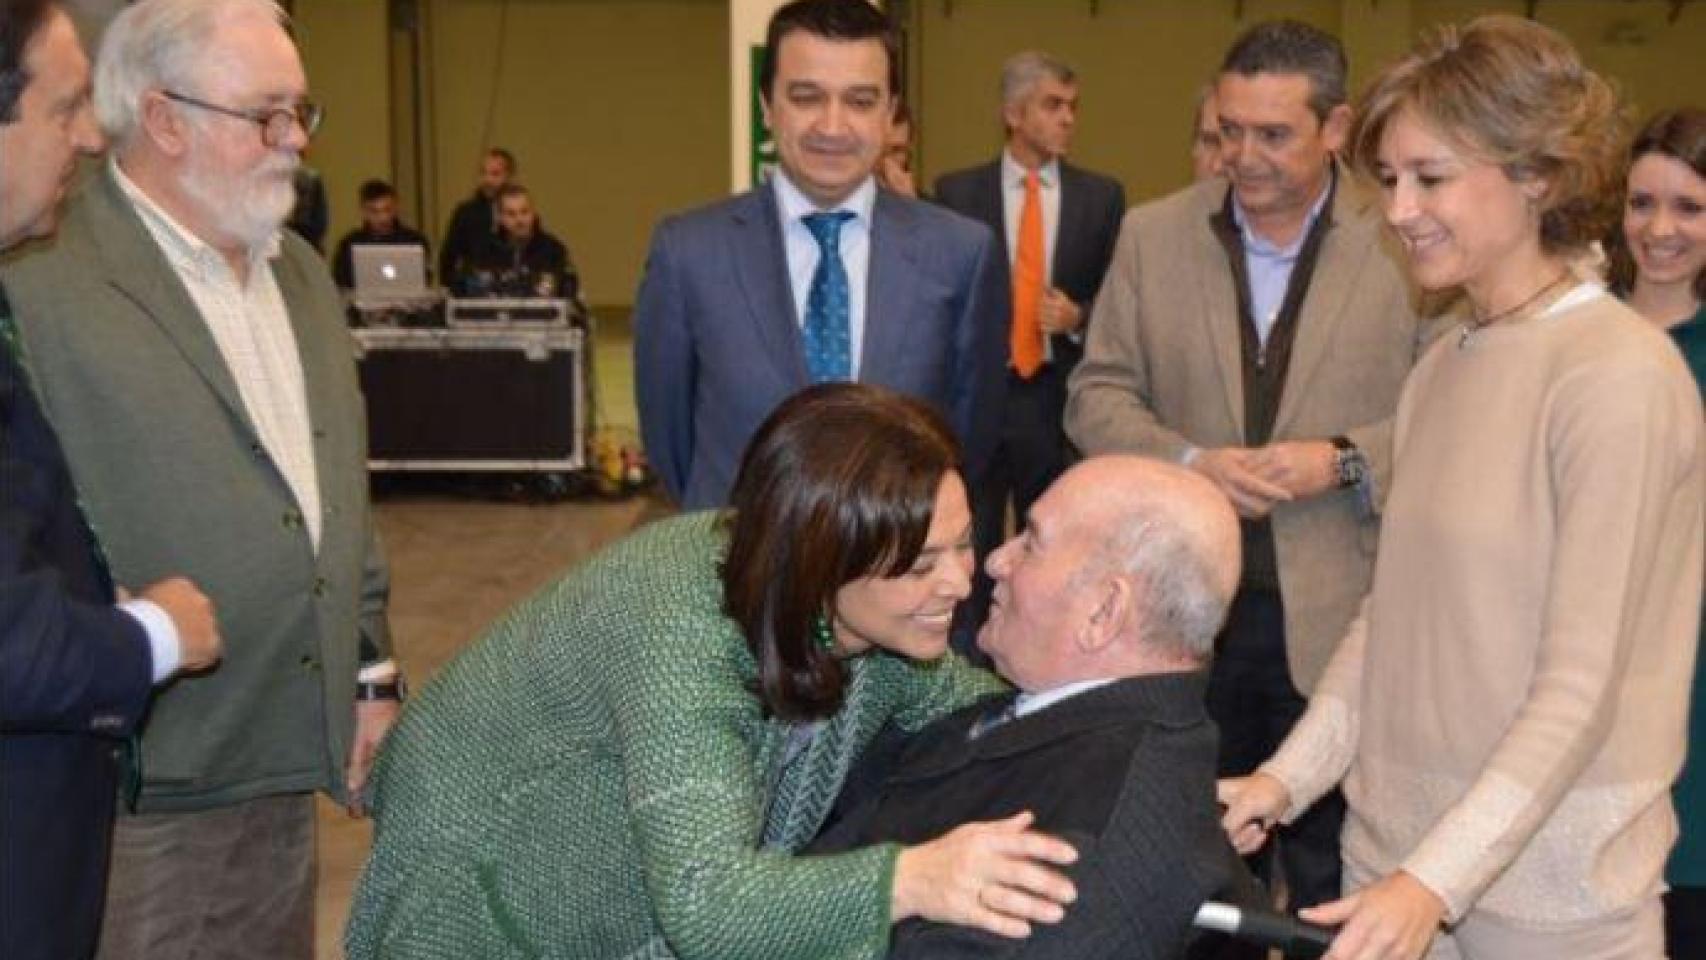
(248,206)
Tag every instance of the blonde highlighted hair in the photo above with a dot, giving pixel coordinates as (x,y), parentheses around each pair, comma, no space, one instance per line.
(1514,93)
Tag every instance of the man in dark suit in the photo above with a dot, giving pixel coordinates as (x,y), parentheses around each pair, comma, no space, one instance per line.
(1105,613)
(741,305)
(76,669)
(1059,223)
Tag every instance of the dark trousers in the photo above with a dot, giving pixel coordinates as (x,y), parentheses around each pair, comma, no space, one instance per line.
(1032,454)
(1255,704)
(1685,922)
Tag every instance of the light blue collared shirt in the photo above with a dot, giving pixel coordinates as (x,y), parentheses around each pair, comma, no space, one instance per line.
(1269,267)
(802,251)
(1028,703)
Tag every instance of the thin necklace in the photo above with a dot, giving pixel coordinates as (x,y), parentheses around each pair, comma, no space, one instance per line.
(1476,324)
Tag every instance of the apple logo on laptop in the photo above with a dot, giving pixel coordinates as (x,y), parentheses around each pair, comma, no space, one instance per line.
(388,271)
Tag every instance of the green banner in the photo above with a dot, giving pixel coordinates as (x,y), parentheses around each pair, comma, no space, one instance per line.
(761,157)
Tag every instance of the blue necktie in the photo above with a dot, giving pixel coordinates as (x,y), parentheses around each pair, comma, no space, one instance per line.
(829,342)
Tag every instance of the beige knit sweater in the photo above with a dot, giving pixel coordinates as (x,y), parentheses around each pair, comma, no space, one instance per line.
(1510,707)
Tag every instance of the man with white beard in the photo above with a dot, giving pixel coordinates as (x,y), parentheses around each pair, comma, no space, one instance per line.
(195,363)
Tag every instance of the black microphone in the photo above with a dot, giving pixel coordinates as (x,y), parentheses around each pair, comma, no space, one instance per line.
(1290,936)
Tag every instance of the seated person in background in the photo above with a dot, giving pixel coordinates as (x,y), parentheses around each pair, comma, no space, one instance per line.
(1104,616)
(379,225)
(521,259)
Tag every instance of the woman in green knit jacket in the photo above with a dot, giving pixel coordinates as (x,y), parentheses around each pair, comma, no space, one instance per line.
(624,765)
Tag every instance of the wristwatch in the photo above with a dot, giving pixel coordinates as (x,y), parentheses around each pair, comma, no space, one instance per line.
(1349,464)
(397,689)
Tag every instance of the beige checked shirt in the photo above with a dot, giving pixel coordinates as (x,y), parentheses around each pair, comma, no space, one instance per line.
(252,329)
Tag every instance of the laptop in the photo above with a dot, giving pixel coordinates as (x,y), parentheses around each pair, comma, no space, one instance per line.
(389,272)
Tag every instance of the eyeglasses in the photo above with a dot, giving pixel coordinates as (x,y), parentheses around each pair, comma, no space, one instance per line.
(275,123)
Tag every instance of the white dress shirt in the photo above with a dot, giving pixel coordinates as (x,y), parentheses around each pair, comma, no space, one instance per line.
(802,251)
(1013,204)
(251,327)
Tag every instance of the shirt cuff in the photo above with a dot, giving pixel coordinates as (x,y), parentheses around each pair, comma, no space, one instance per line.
(163,642)
(1189,456)
(383,671)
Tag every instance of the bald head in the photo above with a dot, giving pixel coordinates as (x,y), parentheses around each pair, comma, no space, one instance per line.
(1152,513)
(1126,567)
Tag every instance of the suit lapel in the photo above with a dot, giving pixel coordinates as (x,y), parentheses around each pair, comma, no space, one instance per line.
(889,290)
(137,267)
(319,355)
(994,212)
(1217,304)
(1067,234)
(1344,249)
(761,271)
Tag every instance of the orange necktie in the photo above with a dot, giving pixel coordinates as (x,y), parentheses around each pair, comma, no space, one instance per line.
(1027,336)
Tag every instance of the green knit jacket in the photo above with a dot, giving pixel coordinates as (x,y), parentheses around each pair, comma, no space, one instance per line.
(595,778)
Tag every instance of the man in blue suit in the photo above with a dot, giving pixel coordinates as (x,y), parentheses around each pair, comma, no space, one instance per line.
(817,274)
(75,669)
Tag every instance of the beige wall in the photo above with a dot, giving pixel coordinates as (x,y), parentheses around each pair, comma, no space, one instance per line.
(1657,64)
(618,108)
(344,50)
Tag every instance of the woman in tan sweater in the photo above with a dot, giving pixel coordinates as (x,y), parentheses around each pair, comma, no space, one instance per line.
(1508,712)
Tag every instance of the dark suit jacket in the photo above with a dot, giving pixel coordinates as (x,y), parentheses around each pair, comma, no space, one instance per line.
(1124,772)
(717,342)
(74,676)
(1091,206)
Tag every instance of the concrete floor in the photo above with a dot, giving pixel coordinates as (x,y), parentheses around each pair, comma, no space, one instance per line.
(456,564)
(459,560)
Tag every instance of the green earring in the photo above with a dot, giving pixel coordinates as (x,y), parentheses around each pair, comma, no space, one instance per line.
(822,636)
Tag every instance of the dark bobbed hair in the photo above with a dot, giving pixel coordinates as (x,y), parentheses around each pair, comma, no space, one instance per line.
(1291,47)
(20,21)
(1513,93)
(838,484)
(1680,135)
(843,20)
(376,189)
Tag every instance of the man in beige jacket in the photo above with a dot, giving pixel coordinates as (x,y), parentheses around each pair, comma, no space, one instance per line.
(1255,329)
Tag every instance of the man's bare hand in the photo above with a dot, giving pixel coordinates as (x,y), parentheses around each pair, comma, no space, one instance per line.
(192,613)
(373,720)
(1252,494)
(1305,468)
(1059,314)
